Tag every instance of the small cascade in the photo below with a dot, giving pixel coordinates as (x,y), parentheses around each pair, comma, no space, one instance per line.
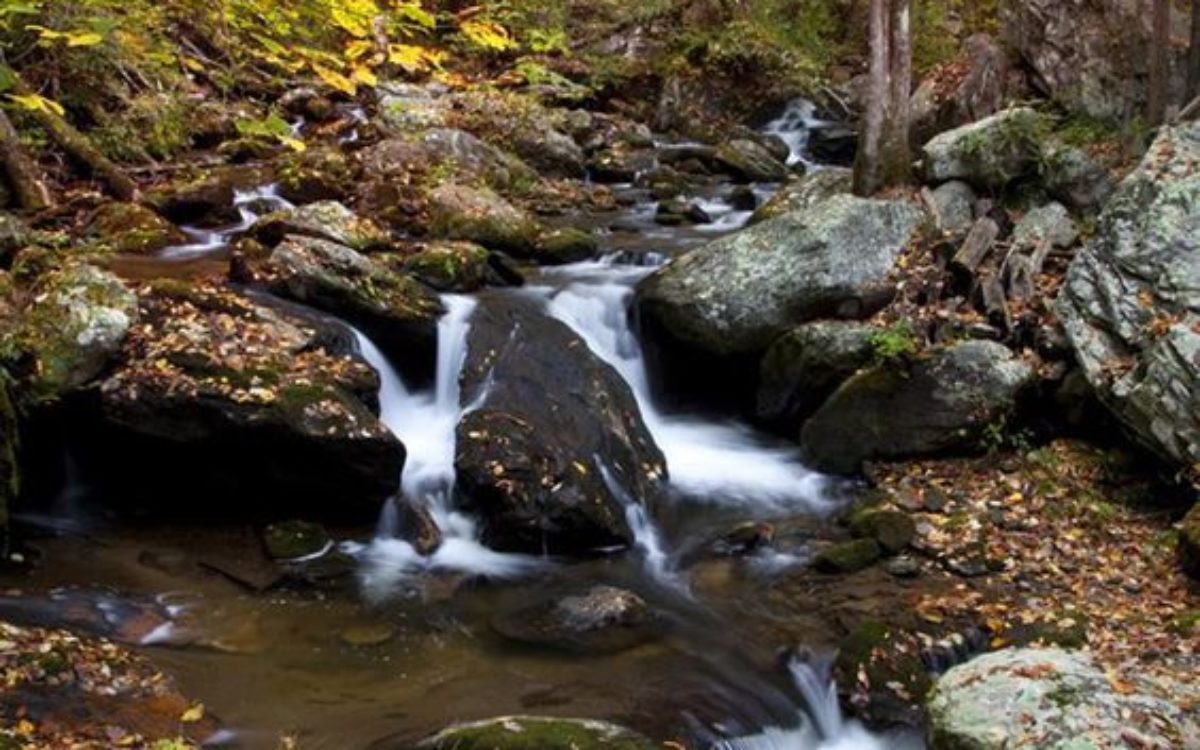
(719,462)
(251,205)
(793,126)
(425,422)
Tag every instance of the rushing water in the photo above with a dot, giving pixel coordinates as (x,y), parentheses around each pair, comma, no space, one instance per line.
(268,663)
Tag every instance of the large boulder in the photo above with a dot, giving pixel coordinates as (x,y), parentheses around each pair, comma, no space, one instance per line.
(989,153)
(325,220)
(738,294)
(394,308)
(535,733)
(943,102)
(250,404)
(479,215)
(551,152)
(448,152)
(553,470)
(750,161)
(807,364)
(1051,699)
(132,228)
(804,193)
(1131,302)
(938,403)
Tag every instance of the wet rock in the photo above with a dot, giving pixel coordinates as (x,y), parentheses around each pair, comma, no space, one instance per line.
(881,675)
(892,529)
(74,327)
(620,164)
(564,245)
(323,220)
(549,471)
(749,161)
(743,198)
(1050,699)
(738,294)
(600,620)
(416,525)
(290,541)
(954,208)
(316,174)
(456,154)
(1131,298)
(397,311)
(1189,541)
(452,266)
(742,540)
(535,733)
(848,557)
(250,404)
(678,211)
(807,364)
(552,153)
(805,193)
(833,144)
(132,228)
(989,153)
(367,636)
(481,216)
(664,183)
(939,403)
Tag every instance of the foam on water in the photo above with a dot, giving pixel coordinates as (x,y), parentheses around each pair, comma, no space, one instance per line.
(248,204)
(793,126)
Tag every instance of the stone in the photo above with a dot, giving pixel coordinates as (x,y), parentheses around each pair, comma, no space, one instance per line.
(132,228)
(806,192)
(552,153)
(620,164)
(750,161)
(535,733)
(602,619)
(940,104)
(938,403)
(454,154)
(549,471)
(954,208)
(1131,301)
(1075,177)
(323,220)
(806,365)
(406,107)
(1050,699)
(481,216)
(892,529)
(738,294)
(903,566)
(367,636)
(292,541)
(416,525)
(834,144)
(1049,222)
(848,557)
(564,245)
(452,266)
(987,154)
(316,174)
(872,661)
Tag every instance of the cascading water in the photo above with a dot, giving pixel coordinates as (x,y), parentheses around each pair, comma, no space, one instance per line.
(425,422)
(793,128)
(250,205)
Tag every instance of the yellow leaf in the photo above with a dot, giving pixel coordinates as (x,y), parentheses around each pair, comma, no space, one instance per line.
(83,39)
(335,79)
(364,75)
(487,34)
(294,144)
(193,714)
(193,64)
(358,48)
(37,102)
(413,58)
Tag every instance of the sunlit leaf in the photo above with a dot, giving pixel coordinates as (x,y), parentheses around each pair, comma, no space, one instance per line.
(37,102)
(335,79)
(487,34)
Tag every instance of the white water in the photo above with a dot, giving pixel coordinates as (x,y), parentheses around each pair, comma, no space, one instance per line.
(425,422)
(709,461)
(793,127)
(206,241)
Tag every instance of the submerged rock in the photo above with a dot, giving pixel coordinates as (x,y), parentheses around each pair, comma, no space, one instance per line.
(248,406)
(602,619)
(1051,699)
(550,470)
(848,557)
(535,733)
(936,404)
(1131,302)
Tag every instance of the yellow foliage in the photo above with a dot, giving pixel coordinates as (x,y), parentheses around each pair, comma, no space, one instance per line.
(37,102)
(487,34)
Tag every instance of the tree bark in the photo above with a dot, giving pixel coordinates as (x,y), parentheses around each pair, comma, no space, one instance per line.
(868,178)
(1160,51)
(77,145)
(897,156)
(1193,73)
(23,173)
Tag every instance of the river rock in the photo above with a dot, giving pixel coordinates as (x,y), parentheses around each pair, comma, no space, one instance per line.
(892,529)
(1050,699)
(749,161)
(938,403)
(132,228)
(452,266)
(954,207)
(848,557)
(804,193)
(397,311)
(324,220)
(454,153)
(249,405)
(989,153)
(551,152)
(74,327)
(479,215)
(738,294)
(549,470)
(564,245)
(316,174)
(621,164)
(535,733)
(1131,302)
(807,364)
(602,619)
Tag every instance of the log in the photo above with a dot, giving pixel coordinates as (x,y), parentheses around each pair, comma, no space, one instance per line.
(77,145)
(23,173)
(976,247)
(994,303)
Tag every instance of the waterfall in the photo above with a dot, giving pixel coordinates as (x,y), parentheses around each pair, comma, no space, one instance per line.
(793,126)
(425,422)
(249,205)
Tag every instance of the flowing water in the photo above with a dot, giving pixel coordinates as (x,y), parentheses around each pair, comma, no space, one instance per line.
(408,648)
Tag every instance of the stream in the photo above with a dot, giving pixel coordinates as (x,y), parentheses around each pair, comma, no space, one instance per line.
(408,648)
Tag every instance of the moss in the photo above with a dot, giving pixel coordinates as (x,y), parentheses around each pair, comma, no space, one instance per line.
(875,649)
(292,540)
(896,342)
(848,557)
(892,529)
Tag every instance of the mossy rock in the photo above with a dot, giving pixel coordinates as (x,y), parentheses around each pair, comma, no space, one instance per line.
(565,245)
(874,651)
(1189,542)
(295,540)
(450,266)
(848,557)
(132,228)
(325,220)
(537,733)
(893,529)
(321,174)
(481,216)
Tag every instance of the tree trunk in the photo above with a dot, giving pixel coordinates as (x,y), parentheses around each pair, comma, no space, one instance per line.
(1193,73)
(77,145)
(868,178)
(1160,51)
(897,157)
(23,173)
